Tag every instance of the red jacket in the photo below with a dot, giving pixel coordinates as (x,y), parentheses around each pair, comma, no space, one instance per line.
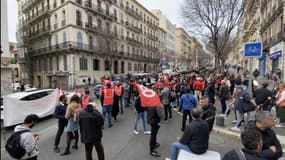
(199,85)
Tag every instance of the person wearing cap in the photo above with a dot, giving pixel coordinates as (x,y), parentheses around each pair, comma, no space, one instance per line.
(263,97)
(28,140)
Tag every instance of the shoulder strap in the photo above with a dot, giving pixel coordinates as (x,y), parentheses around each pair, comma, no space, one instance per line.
(240,154)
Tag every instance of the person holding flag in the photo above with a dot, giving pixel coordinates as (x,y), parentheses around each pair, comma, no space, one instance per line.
(150,99)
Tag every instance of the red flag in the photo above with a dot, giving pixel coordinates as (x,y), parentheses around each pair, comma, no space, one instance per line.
(149,98)
(166,80)
(105,81)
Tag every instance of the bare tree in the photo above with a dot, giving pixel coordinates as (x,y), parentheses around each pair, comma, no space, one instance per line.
(214,21)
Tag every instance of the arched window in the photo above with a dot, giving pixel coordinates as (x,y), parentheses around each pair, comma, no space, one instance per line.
(79,40)
(64,39)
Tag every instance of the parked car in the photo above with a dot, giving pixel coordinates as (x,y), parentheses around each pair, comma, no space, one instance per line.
(97,90)
(17,105)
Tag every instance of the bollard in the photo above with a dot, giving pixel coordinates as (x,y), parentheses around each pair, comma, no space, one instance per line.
(220,121)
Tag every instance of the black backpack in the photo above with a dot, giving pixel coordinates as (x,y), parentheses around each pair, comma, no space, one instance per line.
(13,145)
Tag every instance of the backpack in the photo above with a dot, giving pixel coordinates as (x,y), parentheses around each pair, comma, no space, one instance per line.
(13,145)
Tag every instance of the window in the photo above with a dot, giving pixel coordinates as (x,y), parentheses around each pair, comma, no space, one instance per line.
(99,23)
(79,1)
(135,67)
(57,63)
(129,67)
(62,1)
(96,64)
(64,39)
(65,62)
(79,40)
(83,65)
(50,64)
(55,21)
(63,18)
(78,18)
(107,65)
(90,42)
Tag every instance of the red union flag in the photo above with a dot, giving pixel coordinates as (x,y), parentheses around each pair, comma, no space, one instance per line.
(149,98)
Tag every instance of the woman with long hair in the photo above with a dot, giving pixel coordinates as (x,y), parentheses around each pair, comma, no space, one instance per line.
(71,115)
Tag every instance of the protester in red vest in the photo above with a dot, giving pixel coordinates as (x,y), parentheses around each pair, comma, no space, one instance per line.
(86,98)
(107,100)
(199,87)
(117,100)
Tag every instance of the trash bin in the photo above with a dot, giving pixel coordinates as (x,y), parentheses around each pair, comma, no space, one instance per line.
(220,120)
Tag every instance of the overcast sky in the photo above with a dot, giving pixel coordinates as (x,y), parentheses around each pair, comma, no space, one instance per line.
(170,8)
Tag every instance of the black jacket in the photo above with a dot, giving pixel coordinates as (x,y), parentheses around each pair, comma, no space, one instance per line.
(261,97)
(59,112)
(269,139)
(208,114)
(152,116)
(90,123)
(210,89)
(196,136)
(249,155)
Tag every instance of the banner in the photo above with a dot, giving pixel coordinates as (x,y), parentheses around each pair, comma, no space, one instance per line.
(149,98)
(16,110)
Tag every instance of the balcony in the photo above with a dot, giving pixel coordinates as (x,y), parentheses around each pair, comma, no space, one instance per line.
(133,28)
(39,33)
(39,15)
(98,10)
(275,12)
(133,13)
(152,37)
(28,5)
(133,41)
(71,45)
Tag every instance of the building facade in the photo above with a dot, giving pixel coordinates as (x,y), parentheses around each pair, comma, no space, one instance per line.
(272,34)
(170,42)
(63,42)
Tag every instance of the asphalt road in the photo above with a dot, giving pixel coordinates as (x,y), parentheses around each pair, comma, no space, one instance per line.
(120,143)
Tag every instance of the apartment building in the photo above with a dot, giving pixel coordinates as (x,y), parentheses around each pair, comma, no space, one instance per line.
(66,41)
(188,50)
(170,42)
(272,34)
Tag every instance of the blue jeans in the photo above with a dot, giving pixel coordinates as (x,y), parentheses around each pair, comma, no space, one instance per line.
(175,147)
(141,115)
(107,109)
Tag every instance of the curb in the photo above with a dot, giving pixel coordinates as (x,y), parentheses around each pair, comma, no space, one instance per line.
(236,135)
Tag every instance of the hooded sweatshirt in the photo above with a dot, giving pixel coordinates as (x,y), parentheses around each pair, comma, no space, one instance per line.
(28,142)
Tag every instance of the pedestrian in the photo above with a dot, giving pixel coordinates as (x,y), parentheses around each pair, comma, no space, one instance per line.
(86,97)
(107,101)
(72,124)
(263,97)
(243,104)
(195,138)
(208,112)
(140,113)
(281,103)
(89,81)
(210,90)
(59,113)
(252,141)
(271,147)
(199,87)
(91,123)
(154,114)
(165,97)
(187,102)
(28,140)
(224,95)
(118,96)
(125,96)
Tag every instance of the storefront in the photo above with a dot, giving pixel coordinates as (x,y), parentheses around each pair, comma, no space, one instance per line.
(277,59)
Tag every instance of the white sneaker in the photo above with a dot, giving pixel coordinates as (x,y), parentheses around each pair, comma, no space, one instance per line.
(235,128)
(146,132)
(135,132)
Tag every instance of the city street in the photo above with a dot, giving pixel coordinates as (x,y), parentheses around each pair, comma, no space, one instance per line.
(120,143)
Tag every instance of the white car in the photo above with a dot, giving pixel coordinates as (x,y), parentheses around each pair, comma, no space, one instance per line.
(17,106)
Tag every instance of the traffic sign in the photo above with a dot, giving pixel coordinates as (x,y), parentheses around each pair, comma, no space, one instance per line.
(252,49)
